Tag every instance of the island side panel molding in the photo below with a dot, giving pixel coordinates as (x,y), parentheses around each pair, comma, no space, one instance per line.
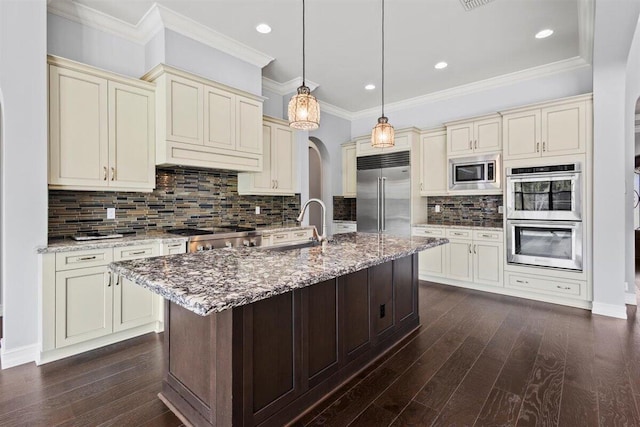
(357,326)
(382,310)
(404,270)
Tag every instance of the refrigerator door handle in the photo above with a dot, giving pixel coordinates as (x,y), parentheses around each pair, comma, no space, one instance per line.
(383,201)
(378,196)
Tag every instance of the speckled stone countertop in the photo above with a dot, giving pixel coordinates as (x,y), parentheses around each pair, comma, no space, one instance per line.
(462,227)
(68,245)
(213,281)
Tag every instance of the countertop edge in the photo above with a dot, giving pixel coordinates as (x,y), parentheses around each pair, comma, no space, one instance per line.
(71,246)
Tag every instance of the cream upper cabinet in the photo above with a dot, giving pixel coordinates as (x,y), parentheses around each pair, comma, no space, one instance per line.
(131,137)
(184,110)
(278,176)
(550,129)
(349,170)
(403,141)
(433,162)
(208,124)
(479,135)
(101,130)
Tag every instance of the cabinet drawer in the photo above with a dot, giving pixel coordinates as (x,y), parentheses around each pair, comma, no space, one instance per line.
(339,227)
(305,234)
(548,286)
(495,236)
(278,238)
(135,252)
(82,259)
(459,234)
(429,232)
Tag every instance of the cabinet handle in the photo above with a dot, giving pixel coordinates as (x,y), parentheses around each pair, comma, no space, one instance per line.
(566,288)
(138,253)
(273,183)
(544,146)
(458,234)
(86,258)
(486,235)
(475,144)
(108,279)
(276,183)
(474,249)
(113,173)
(104,169)
(524,282)
(469,248)
(537,147)
(279,237)
(301,234)
(420,186)
(118,280)
(175,245)
(470,145)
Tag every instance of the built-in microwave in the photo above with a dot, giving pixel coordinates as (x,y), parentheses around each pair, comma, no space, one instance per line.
(552,192)
(556,244)
(475,173)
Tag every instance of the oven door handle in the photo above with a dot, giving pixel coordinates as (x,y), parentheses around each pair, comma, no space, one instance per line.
(546,224)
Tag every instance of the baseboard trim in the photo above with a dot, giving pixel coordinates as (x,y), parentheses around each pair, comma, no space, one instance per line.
(630,299)
(610,310)
(18,356)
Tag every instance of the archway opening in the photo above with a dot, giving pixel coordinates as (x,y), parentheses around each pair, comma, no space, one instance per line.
(636,204)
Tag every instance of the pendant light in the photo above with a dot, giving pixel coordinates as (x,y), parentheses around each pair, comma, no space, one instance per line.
(304,110)
(383,134)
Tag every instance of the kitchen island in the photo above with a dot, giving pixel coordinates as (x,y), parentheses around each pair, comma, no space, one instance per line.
(256,337)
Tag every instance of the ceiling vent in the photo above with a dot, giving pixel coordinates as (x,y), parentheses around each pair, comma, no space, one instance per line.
(472,4)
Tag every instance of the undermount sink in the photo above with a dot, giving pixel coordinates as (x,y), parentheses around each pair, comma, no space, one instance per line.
(309,244)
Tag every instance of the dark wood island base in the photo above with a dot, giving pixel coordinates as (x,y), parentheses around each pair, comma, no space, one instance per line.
(268,362)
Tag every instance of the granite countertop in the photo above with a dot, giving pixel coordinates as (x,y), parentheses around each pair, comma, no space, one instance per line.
(462,227)
(68,245)
(213,281)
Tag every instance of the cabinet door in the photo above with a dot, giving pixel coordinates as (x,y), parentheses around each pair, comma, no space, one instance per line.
(355,313)
(433,262)
(174,248)
(521,135)
(282,159)
(219,118)
(131,137)
(133,305)
(184,110)
(487,135)
(433,165)
(78,128)
(248,125)
(459,260)
(405,289)
(349,171)
(487,266)
(564,129)
(84,305)
(263,181)
(381,288)
(460,139)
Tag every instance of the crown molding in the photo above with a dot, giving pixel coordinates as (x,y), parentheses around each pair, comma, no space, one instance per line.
(325,107)
(586,23)
(493,82)
(287,87)
(156,19)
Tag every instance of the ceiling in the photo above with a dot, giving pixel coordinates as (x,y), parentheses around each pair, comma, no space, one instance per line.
(343,40)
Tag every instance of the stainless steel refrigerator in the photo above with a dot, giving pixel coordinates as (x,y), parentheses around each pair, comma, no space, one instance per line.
(384,193)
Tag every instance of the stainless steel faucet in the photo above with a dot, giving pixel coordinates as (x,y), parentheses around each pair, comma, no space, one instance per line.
(323,237)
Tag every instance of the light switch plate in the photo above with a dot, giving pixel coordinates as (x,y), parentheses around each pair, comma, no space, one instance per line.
(257,210)
(111,213)
(437,208)
(500,209)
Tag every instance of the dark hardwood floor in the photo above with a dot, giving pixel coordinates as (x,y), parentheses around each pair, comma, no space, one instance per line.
(478,359)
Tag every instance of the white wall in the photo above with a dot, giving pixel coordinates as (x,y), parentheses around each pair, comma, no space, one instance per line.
(432,114)
(615,23)
(273,104)
(23,85)
(193,56)
(631,138)
(154,53)
(80,43)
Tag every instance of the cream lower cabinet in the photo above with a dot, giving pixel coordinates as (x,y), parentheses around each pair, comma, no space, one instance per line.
(174,248)
(287,237)
(279,165)
(85,306)
(471,256)
(101,130)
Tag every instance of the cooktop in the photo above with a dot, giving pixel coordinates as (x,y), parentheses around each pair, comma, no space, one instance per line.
(187,232)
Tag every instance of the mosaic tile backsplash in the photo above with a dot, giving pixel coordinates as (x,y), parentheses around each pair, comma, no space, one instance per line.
(344,209)
(479,211)
(182,198)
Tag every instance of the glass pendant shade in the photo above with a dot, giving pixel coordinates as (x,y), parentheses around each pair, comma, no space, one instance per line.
(304,110)
(383,134)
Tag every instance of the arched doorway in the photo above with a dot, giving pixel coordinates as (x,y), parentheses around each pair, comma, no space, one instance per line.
(315,185)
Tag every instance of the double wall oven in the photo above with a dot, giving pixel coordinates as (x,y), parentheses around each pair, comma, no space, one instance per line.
(544,216)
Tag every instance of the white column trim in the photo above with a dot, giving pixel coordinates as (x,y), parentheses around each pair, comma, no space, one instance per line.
(610,310)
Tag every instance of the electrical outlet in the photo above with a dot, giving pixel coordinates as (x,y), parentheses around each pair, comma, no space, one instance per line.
(257,210)
(500,209)
(437,209)
(111,213)
(382,310)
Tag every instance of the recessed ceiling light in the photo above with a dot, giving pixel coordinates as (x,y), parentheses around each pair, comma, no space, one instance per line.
(370,87)
(544,34)
(440,65)
(263,28)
